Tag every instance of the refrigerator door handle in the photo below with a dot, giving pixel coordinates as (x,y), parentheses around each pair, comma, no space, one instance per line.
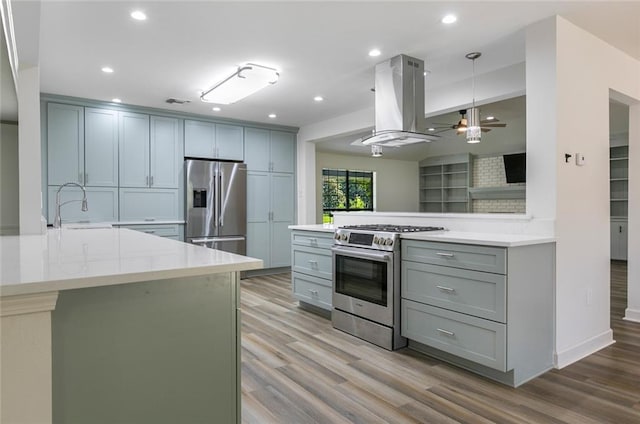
(223,199)
(216,201)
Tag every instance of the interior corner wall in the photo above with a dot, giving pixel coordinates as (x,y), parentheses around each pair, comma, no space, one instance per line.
(585,69)
(29,151)
(633,266)
(305,182)
(389,196)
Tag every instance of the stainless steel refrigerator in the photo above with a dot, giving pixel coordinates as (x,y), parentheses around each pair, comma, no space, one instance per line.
(216,204)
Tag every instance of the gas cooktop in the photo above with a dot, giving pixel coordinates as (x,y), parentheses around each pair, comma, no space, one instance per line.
(389,228)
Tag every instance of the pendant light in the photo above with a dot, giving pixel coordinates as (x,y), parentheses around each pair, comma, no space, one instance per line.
(474,132)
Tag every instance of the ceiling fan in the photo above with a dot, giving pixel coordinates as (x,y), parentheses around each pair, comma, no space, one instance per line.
(486,124)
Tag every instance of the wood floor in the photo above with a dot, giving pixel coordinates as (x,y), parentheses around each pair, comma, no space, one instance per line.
(297,369)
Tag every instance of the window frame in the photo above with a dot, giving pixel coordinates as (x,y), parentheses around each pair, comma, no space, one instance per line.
(346,173)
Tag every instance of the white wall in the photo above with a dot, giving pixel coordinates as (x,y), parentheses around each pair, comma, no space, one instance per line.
(9,219)
(569,74)
(389,195)
(633,270)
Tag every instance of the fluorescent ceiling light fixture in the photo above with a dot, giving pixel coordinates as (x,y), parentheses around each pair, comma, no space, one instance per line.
(376,151)
(273,115)
(107,70)
(138,15)
(116,100)
(216,109)
(318,98)
(431,129)
(449,19)
(374,53)
(246,80)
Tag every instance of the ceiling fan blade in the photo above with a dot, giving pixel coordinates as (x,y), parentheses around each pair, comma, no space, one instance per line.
(485,129)
(489,121)
(493,125)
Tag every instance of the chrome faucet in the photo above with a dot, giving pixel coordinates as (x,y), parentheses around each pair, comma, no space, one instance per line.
(57,221)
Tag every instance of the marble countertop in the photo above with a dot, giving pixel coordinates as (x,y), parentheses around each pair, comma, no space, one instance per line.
(65,259)
(485,239)
(327,228)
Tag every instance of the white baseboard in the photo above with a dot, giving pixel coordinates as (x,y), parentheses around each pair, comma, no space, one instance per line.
(632,315)
(584,349)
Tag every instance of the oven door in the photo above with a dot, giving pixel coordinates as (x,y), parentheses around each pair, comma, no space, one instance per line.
(363,283)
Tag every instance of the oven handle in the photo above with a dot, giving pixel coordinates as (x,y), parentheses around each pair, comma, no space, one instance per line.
(358,253)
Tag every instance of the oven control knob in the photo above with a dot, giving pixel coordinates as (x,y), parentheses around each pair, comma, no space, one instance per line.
(337,236)
(388,242)
(376,240)
(343,237)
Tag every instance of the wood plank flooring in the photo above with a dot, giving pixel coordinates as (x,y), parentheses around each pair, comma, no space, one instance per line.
(297,369)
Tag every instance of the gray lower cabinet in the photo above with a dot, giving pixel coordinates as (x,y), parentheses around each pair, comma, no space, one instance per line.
(102,203)
(311,276)
(170,231)
(488,309)
(619,239)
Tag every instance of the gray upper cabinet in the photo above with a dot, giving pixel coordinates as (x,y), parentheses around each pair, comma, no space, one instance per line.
(166,155)
(82,145)
(150,151)
(213,141)
(134,149)
(267,150)
(65,139)
(100,147)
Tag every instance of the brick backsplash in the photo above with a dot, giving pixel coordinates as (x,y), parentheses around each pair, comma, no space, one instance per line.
(489,172)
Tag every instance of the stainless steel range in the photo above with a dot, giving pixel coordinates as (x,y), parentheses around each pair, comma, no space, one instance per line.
(366,282)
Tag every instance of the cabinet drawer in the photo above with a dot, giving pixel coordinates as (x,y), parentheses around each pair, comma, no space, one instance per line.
(313,261)
(312,239)
(468,337)
(315,291)
(471,292)
(169,230)
(477,258)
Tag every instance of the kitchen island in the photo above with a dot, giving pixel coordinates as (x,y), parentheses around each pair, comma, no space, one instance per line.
(114,325)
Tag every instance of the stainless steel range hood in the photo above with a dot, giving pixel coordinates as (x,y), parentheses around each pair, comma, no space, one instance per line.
(399,107)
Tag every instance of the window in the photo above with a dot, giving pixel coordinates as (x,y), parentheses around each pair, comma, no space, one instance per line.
(344,190)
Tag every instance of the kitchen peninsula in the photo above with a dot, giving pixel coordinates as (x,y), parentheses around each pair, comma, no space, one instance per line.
(114,325)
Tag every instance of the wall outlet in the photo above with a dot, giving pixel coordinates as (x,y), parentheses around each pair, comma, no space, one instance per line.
(580,159)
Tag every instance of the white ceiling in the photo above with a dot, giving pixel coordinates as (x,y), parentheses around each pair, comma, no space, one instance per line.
(319,47)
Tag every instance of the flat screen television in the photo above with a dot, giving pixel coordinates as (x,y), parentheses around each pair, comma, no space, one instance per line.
(515,167)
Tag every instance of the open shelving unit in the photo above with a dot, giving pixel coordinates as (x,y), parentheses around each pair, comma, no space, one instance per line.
(619,204)
(444,184)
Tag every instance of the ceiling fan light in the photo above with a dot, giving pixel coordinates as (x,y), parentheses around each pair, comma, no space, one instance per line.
(376,151)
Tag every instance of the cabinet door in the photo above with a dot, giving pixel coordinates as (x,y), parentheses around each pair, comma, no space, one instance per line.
(65,143)
(619,240)
(229,142)
(282,151)
(166,153)
(256,149)
(140,204)
(101,147)
(199,139)
(134,149)
(258,213)
(102,204)
(282,211)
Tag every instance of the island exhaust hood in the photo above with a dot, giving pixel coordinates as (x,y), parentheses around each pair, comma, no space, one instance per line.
(399,107)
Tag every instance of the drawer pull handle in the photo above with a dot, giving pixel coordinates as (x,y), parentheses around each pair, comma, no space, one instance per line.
(149,231)
(446,255)
(446,289)
(445,332)
(313,264)
(314,292)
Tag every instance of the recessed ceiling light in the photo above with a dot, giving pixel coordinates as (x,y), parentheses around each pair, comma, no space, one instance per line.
(431,129)
(107,70)
(216,109)
(449,19)
(272,115)
(318,98)
(490,118)
(138,15)
(116,100)
(374,53)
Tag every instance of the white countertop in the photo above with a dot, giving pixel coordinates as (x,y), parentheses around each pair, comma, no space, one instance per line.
(78,258)
(327,228)
(485,239)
